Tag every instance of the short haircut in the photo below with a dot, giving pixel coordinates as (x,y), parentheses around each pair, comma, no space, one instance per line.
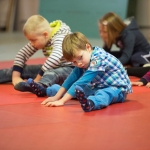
(36,23)
(73,43)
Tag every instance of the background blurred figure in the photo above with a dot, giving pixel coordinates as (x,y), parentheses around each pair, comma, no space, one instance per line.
(127,36)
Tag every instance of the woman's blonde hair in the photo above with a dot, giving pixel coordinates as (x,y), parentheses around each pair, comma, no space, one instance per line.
(114,26)
(36,23)
(72,44)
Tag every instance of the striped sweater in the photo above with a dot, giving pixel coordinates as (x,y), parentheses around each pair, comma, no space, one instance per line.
(52,50)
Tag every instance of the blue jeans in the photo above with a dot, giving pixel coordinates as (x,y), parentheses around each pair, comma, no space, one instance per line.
(103,97)
(29,71)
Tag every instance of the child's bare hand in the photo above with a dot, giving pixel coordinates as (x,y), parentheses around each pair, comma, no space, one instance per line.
(138,83)
(49,99)
(55,103)
(148,85)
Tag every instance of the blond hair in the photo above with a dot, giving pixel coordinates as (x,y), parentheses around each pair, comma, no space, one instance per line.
(114,26)
(72,44)
(36,23)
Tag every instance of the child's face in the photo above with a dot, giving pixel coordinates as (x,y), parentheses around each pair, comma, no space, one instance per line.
(103,32)
(82,58)
(38,40)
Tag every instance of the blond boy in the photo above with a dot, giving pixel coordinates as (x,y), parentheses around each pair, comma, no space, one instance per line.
(47,37)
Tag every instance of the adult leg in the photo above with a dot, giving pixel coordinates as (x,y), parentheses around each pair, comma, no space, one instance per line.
(137,59)
(137,71)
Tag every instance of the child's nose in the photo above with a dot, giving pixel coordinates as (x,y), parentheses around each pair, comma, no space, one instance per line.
(79,63)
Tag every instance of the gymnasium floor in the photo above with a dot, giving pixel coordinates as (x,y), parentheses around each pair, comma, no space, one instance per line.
(25,124)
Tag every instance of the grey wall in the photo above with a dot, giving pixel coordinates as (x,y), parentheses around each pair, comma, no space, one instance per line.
(81,15)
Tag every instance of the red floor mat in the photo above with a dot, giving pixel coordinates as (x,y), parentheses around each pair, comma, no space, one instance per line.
(10,96)
(8,64)
(25,124)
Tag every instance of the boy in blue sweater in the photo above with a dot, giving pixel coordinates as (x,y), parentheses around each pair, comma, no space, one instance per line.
(98,80)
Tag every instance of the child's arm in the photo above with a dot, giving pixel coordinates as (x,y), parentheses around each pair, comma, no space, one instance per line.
(57,100)
(143,81)
(138,83)
(38,77)
(16,77)
(148,85)
(22,56)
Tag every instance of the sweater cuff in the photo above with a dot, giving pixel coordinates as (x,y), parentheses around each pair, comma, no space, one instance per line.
(143,80)
(17,68)
(41,72)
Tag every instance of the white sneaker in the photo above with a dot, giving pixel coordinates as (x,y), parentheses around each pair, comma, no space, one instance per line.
(146,65)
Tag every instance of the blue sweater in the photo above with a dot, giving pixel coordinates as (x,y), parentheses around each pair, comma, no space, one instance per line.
(104,70)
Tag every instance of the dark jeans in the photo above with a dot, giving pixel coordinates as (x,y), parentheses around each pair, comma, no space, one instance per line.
(29,71)
(50,77)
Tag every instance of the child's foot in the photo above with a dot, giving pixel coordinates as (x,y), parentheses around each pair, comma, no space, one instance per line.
(87,105)
(52,90)
(23,87)
(38,89)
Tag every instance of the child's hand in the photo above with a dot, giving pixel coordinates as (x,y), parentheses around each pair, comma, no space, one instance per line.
(148,85)
(55,103)
(137,83)
(49,99)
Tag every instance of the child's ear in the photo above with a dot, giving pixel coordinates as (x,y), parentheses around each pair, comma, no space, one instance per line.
(45,33)
(88,47)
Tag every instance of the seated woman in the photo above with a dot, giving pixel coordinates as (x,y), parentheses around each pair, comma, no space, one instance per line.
(131,42)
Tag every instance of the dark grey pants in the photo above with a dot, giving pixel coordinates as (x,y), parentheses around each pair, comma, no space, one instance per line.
(50,77)
(29,71)
(55,76)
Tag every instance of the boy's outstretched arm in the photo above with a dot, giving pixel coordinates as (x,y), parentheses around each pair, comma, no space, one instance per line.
(58,100)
